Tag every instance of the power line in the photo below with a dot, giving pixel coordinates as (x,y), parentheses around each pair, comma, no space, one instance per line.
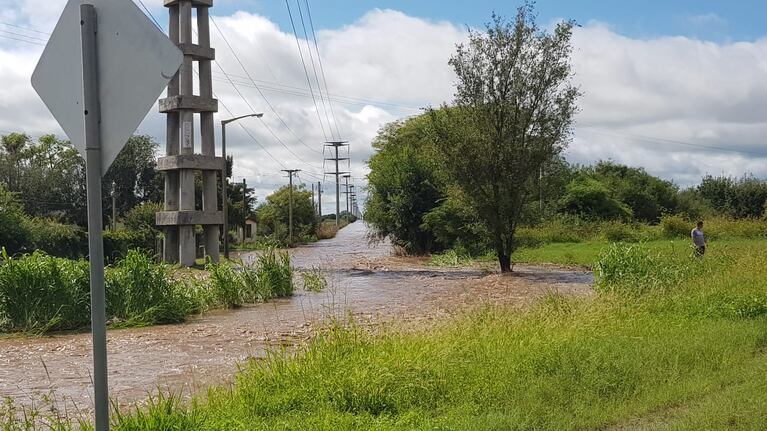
(306,72)
(253,82)
(322,69)
(22,40)
(25,28)
(314,69)
(655,140)
(24,35)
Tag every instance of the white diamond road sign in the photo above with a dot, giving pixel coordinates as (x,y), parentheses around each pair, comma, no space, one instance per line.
(135,61)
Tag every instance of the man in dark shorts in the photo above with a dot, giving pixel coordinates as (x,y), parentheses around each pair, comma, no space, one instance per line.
(698,239)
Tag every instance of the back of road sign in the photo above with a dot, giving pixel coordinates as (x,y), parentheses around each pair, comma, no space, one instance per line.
(136,62)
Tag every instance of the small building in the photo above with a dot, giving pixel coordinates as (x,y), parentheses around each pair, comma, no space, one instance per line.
(251,230)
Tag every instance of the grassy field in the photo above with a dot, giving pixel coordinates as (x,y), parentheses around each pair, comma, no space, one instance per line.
(669,342)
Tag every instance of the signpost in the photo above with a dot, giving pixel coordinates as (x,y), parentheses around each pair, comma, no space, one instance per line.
(100,73)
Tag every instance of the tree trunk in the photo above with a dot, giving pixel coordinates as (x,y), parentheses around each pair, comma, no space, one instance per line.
(505,261)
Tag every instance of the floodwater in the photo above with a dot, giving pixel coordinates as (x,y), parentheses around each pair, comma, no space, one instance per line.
(365,282)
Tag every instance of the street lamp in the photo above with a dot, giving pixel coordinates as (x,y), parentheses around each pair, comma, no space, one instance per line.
(225,179)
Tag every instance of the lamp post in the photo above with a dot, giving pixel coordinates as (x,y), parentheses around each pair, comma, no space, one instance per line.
(225,179)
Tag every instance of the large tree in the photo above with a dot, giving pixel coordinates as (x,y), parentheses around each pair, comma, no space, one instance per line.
(512,113)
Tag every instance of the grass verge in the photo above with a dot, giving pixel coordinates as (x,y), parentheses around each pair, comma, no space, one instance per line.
(669,342)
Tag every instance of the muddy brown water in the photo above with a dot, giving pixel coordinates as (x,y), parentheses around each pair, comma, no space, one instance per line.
(365,282)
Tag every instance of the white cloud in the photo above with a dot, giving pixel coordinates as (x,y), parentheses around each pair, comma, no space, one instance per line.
(673,88)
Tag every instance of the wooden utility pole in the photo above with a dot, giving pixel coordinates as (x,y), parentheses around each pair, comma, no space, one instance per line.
(245,208)
(181,162)
(114,206)
(336,145)
(319,200)
(290,173)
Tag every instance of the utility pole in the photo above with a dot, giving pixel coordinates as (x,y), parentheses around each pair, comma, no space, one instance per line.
(181,162)
(314,204)
(346,192)
(290,173)
(336,145)
(352,198)
(319,200)
(114,206)
(245,208)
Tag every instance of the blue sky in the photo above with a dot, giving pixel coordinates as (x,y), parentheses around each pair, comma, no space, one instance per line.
(715,20)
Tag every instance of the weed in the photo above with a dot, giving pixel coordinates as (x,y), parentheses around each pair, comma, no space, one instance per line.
(314,280)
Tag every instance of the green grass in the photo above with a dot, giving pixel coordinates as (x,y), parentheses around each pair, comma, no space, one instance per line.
(41,293)
(669,342)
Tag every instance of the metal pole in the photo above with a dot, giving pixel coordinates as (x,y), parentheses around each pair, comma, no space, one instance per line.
(290,210)
(225,191)
(92,114)
(338,191)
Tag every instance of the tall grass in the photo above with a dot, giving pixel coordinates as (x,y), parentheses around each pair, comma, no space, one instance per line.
(270,276)
(684,352)
(40,293)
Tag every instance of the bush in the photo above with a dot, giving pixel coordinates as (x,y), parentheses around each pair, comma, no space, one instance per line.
(271,276)
(118,243)
(675,226)
(142,217)
(57,239)
(226,284)
(620,232)
(314,280)
(14,232)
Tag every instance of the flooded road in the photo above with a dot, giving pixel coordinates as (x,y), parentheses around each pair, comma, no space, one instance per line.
(365,281)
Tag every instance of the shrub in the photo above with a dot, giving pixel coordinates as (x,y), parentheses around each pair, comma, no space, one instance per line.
(314,280)
(118,243)
(57,239)
(675,226)
(14,232)
(620,232)
(142,217)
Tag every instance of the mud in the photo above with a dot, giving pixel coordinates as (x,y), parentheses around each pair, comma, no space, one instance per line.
(365,282)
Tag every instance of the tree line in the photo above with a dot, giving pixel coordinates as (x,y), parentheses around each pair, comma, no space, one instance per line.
(470,173)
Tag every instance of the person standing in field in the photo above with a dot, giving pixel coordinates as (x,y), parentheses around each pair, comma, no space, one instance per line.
(698,239)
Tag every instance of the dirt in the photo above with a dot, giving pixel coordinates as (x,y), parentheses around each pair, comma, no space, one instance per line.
(366,282)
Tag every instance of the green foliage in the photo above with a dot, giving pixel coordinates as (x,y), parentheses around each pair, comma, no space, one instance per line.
(588,197)
(674,226)
(57,239)
(739,198)
(14,231)
(693,351)
(118,243)
(404,185)
(134,175)
(141,292)
(274,273)
(142,217)
(496,138)
(270,276)
(273,216)
(39,293)
(314,280)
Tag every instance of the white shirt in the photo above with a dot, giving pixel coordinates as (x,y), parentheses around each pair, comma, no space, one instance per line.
(697,237)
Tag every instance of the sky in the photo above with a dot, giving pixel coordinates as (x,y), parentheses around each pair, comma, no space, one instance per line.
(677,88)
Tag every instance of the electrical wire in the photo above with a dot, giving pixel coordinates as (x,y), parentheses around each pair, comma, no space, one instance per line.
(253,82)
(322,68)
(314,69)
(306,72)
